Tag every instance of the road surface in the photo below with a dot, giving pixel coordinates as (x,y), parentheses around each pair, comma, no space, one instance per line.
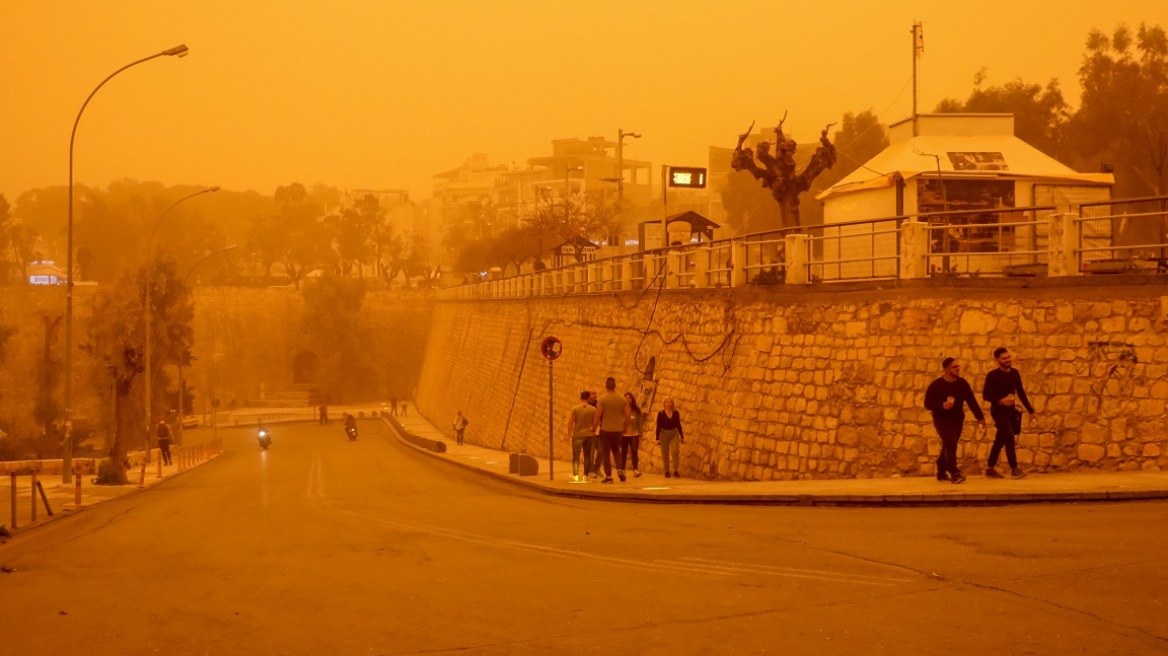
(325,546)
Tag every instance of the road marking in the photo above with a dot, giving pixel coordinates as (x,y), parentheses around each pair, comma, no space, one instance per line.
(795,572)
(692,566)
(314,488)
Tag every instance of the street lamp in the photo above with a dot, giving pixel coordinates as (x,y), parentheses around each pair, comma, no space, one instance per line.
(147,310)
(67,461)
(620,165)
(182,347)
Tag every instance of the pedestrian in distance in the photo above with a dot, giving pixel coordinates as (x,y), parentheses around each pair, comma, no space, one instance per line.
(459,425)
(324,414)
(393,406)
(946,398)
(405,407)
(611,418)
(630,442)
(670,437)
(163,433)
(580,435)
(1003,391)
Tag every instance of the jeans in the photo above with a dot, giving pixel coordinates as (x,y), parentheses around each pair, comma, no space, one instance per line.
(629,445)
(609,444)
(670,450)
(458,435)
(590,458)
(164,450)
(950,432)
(580,455)
(1008,423)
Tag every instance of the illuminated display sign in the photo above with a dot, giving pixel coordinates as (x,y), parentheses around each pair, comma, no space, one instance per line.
(687,176)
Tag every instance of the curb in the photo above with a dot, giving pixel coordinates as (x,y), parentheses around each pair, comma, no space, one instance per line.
(805,500)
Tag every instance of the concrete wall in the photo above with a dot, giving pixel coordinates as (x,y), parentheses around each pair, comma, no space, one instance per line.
(777,384)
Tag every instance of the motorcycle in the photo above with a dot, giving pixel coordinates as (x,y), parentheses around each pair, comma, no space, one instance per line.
(351,432)
(264,438)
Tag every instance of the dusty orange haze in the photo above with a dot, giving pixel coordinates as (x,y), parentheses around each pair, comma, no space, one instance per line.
(383,94)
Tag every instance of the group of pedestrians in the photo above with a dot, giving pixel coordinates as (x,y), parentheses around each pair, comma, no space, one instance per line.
(947,398)
(608,429)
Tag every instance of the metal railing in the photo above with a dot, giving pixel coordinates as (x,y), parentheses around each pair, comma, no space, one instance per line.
(1129,235)
(1006,241)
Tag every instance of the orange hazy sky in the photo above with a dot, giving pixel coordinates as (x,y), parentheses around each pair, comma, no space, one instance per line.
(384,94)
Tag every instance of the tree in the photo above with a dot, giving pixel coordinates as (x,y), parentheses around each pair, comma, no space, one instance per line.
(1040,113)
(575,219)
(116,340)
(778,171)
(1123,115)
(295,236)
(353,231)
(331,327)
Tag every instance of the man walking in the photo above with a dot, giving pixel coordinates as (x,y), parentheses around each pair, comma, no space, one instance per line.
(163,433)
(1003,390)
(612,417)
(580,433)
(946,398)
(592,443)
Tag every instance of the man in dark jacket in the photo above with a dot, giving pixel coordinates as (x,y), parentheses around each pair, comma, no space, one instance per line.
(946,398)
(1003,390)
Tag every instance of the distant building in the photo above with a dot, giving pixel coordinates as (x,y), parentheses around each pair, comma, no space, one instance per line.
(45,272)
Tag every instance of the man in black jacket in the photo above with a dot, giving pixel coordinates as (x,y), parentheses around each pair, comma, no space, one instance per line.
(1003,390)
(946,398)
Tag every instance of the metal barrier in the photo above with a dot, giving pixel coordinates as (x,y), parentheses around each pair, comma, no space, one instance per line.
(1123,236)
(1003,241)
(35,487)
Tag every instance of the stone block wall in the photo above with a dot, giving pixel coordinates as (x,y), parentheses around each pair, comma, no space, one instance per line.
(782,384)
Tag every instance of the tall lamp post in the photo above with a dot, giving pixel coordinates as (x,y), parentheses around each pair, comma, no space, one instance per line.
(620,165)
(147,310)
(67,461)
(182,347)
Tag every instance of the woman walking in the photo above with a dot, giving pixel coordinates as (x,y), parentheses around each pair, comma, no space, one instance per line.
(631,439)
(670,437)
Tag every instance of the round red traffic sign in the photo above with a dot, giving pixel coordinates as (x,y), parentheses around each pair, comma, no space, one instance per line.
(551,348)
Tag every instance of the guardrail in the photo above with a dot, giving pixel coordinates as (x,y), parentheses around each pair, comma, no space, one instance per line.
(1123,236)
(1029,241)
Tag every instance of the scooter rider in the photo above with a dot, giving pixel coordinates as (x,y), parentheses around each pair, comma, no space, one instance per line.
(350,424)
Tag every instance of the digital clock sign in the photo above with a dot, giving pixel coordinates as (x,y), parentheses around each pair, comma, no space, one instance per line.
(687,176)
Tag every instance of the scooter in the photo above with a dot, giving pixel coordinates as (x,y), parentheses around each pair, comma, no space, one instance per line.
(264,438)
(351,432)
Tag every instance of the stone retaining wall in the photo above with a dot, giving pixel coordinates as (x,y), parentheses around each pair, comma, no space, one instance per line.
(778,384)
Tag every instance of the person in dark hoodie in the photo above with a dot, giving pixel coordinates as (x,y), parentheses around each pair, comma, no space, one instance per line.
(1003,391)
(946,398)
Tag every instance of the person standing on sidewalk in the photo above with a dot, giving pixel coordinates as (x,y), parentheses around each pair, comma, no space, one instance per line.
(630,442)
(612,417)
(458,424)
(670,437)
(580,434)
(592,444)
(163,433)
(1003,390)
(946,398)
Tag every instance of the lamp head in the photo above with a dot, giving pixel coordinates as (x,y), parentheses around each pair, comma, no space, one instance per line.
(215,188)
(177,51)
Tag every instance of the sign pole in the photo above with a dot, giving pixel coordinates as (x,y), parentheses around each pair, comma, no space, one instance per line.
(551,423)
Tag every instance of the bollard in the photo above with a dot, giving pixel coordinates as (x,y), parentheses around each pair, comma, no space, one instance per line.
(32,491)
(12,480)
(142,473)
(159,475)
(77,487)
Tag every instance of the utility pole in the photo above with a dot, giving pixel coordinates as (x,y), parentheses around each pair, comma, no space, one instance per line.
(918,39)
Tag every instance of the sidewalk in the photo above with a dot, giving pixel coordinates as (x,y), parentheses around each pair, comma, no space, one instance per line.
(913,491)
(62,498)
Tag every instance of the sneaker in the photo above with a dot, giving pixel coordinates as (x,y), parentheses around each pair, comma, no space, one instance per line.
(992,473)
(607,479)
(958,479)
(636,473)
(593,476)
(666,474)
(1017,473)
(620,473)
(942,476)
(575,477)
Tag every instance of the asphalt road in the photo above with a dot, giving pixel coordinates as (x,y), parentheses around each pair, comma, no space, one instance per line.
(325,546)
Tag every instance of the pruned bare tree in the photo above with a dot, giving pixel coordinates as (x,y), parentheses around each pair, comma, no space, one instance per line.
(779,173)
